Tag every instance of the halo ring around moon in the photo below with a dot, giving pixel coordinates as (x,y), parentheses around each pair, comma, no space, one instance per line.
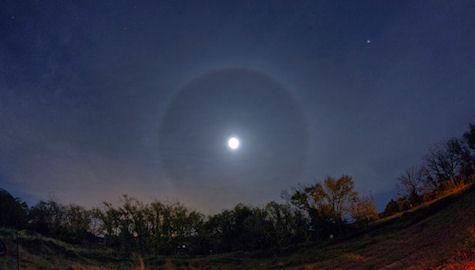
(225,102)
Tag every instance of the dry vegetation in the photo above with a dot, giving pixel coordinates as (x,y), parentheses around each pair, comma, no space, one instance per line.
(437,235)
(326,225)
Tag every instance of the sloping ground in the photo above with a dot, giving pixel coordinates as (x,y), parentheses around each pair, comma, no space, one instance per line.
(437,236)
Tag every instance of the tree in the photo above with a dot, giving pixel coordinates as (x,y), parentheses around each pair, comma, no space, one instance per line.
(392,207)
(48,218)
(327,204)
(469,137)
(133,223)
(363,210)
(287,225)
(185,226)
(13,211)
(108,223)
(77,225)
(411,182)
(445,161)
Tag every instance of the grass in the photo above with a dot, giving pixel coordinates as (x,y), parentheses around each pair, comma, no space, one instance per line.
(437,235)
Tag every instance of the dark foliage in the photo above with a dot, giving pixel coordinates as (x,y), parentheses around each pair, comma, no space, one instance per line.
(316,212)
(13,211)
(447,167)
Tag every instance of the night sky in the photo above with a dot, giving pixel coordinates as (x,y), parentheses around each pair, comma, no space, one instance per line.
(101,98)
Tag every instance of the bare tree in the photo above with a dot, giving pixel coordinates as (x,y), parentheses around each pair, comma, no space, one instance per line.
(446,161)
(411,182)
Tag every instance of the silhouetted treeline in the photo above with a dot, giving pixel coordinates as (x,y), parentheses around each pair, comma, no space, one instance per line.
(311,213)
(446,168)
(317,212)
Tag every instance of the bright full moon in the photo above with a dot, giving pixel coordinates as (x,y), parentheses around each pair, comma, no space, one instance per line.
(233,143)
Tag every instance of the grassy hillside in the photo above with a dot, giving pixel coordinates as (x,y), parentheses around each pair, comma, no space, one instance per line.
(440,235)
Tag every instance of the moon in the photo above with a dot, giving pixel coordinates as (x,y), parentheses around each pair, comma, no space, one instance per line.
(192,147)
(233,143)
